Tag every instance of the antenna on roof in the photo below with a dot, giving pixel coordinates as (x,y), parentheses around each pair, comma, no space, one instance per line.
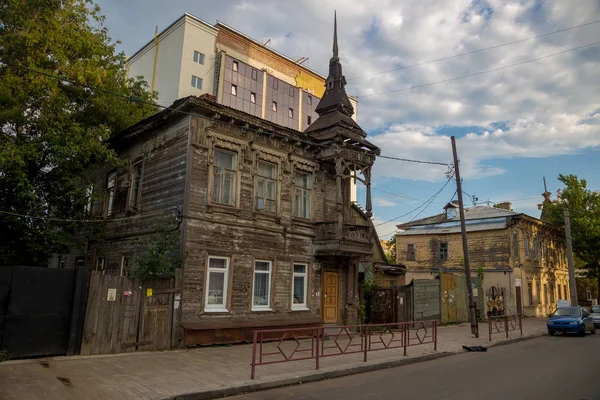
(301,60)
(266,42)
(545,188)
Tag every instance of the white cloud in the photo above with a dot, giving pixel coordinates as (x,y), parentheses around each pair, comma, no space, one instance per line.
(384,203)
(539,109)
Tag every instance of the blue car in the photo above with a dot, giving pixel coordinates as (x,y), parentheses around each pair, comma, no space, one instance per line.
(571,320)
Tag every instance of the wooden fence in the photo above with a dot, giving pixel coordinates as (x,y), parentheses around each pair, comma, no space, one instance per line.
(125,314)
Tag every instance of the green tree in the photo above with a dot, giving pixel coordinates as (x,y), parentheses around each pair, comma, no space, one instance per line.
(159,259)
(584,207)
(52,131)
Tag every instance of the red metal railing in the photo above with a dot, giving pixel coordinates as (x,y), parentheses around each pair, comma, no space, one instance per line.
(309,343)
(504,324)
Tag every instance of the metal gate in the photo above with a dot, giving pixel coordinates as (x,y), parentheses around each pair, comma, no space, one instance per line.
(426,299)
(383,310)
(494,300)
(40,311)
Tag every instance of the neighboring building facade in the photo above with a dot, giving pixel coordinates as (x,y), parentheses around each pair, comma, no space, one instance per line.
(520,258)
(268,235)
(192,57)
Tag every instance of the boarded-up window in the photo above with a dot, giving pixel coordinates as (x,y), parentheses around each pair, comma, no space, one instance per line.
(410,252)
(136,180)
(516,245)
(527,248)
(536,244)
(530,292)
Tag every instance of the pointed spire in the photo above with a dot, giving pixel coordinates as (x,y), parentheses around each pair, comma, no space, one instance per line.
(335,44)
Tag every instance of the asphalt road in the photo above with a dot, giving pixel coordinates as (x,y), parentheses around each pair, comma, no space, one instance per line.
(548,368)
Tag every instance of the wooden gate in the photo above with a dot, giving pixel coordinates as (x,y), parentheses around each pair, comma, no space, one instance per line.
(426,299)
(125,314)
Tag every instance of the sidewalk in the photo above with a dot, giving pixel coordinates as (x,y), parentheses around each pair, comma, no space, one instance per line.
(204,373)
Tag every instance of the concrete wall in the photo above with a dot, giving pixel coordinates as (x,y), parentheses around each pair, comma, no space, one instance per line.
(175,61)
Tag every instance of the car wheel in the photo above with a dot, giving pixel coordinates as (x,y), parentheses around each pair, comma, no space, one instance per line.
(551,333)
(582,333)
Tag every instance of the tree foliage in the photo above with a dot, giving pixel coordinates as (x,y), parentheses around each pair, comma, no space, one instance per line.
(158,259)
(52,131)
(584,207)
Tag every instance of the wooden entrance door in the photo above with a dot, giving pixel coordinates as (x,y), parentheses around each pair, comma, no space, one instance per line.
(330,302)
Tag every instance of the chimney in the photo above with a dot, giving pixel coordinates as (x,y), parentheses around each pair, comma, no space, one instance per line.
(507,205)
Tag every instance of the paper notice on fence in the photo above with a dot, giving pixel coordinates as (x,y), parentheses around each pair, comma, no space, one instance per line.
(112,295)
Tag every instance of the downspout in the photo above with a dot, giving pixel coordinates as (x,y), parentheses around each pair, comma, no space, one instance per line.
(155,57)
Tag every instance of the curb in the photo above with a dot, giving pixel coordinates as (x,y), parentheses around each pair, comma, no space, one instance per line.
(319,376)
(517,339)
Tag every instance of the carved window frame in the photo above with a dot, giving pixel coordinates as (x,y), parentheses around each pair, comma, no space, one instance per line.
(263,154)
(218,141)
(303,166)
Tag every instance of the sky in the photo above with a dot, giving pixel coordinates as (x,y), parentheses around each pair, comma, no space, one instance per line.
(514,124)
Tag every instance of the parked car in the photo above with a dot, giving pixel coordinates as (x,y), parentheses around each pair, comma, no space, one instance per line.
(571,320)
(595,313)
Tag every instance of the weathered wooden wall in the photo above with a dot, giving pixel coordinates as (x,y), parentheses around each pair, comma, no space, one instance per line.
(164,157)
(245,234)
(137,321)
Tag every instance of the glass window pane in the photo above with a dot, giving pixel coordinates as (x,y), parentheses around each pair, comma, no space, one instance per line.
(262,266)
(299,290)
(270,206)
(270,190)
(219,263)
(267,170)
(261,289)
(112,179)
(299,269)
(218,182)
(228,188)
(261,188)
(216,288)
(224,159)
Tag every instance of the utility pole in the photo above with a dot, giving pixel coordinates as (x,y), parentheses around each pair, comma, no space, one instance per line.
(572,284)
(463,229)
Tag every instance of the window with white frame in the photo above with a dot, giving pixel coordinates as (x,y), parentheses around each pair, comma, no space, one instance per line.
(274,107)
(235,66)
(252,97)
(224,177)
(111,187)
(290,112)
(198,57)
(262,285)
(216,284)
(136,180)
(302,195)
(196,82)
(234,90)
(299,287)
(266,196)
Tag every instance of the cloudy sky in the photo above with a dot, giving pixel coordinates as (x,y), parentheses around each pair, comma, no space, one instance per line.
(513,125)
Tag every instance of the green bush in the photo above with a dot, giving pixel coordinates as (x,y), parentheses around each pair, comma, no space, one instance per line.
(159,259)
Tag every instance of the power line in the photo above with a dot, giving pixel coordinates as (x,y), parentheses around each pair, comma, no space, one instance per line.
(84,220)
(474,51)
(415,161)
(481,72)
(142,101)
(426,204)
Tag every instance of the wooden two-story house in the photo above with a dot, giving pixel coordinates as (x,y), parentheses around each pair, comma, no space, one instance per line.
(268,236)
(520,259)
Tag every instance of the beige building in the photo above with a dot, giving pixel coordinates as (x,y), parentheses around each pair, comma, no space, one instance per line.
(519,258)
